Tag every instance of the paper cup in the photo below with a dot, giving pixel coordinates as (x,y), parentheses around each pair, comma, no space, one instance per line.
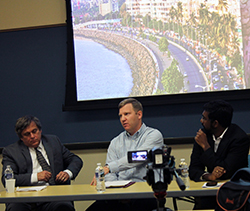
(10,185)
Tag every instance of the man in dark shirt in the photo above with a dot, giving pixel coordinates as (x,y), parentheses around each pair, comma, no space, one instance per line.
(220,148)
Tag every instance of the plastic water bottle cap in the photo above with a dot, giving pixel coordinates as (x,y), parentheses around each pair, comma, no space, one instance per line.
(99,164)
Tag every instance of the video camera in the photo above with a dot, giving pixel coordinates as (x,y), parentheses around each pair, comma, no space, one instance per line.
(159,157)
(160,170)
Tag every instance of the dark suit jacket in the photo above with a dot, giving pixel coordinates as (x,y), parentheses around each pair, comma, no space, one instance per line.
(17,155)
(232,154)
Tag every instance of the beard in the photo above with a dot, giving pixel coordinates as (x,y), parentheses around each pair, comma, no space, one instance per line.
(204,129)
(207,130)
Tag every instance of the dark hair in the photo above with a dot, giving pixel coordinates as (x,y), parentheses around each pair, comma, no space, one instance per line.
(24,122)
(219,110)
(137,106)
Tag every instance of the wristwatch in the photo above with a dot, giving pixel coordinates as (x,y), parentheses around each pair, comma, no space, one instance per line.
(203,176)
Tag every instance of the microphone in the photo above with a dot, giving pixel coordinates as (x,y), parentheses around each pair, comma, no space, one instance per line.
(179,181)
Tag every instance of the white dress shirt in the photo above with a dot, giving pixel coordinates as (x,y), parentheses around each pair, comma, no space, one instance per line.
(218,139)
(36,166)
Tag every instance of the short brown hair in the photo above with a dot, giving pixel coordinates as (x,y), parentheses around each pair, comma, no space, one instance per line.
(137,106)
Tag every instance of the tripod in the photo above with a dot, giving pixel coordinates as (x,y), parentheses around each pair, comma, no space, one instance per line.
(160,194)
(160,187)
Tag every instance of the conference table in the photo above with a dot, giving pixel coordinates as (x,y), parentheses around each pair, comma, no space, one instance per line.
(80,192)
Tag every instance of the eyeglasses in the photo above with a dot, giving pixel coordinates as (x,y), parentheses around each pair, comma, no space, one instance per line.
(27,134)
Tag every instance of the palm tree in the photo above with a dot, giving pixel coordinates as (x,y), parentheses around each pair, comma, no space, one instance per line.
(204,18)
(223,6)
(227,30)
(173,15)
(179,12)
(193,21)
(235,43)
(160,25)
(146,20)
(179,18)
(214,26)
(223,37)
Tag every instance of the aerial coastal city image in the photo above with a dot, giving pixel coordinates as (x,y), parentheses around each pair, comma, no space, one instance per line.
(158,47)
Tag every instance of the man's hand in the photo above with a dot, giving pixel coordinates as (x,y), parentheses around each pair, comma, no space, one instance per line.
(44,176)
(106,170)
(201,139)
(93,182)
(216,174)
(62,177)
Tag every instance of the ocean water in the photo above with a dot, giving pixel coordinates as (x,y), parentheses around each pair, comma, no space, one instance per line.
(100,72)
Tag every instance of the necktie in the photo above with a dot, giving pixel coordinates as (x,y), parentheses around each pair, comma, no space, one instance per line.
(45,166)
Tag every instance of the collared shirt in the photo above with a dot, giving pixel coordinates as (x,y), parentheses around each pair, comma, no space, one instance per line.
(36,166)
(145,138)
(218,139)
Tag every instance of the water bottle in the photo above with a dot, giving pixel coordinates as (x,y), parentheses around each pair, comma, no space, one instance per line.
(8,173)
(184,172)
(100,178)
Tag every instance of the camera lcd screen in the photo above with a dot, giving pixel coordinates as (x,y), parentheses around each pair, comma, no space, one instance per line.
(137,156)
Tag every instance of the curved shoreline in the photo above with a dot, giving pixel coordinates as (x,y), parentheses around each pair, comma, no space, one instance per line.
(141,63)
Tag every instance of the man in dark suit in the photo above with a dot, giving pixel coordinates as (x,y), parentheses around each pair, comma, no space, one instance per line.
(220,148)
(22,157)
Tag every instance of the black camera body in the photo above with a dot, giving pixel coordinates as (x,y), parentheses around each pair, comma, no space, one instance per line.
(161,168)
(159,157)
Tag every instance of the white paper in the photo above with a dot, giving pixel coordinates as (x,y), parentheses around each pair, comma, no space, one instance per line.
(218,185)
(119,183)
(33,188)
